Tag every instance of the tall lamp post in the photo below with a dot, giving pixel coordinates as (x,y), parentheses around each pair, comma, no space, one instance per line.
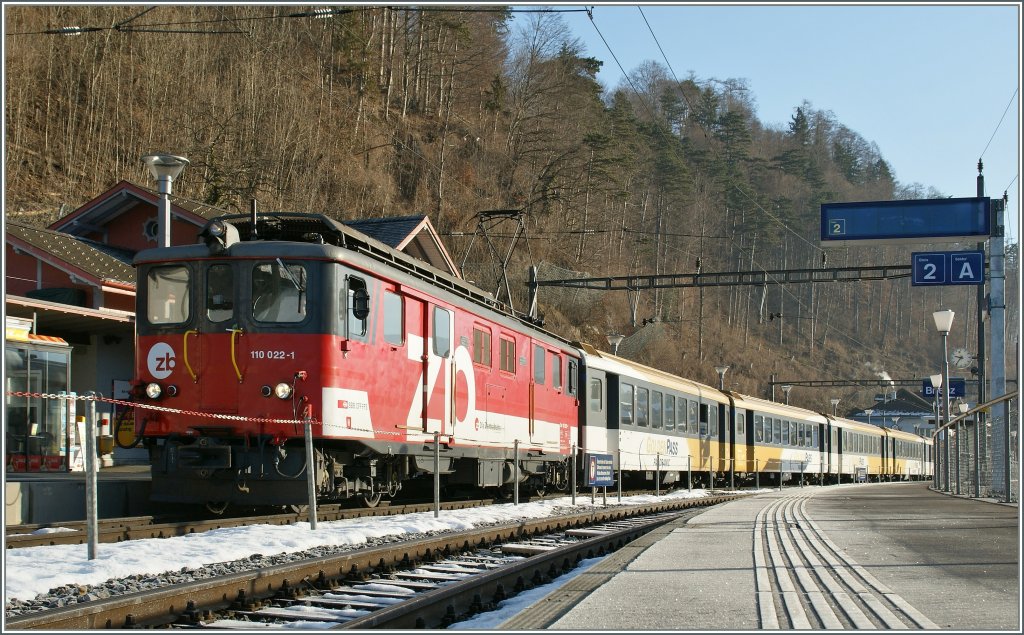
(721,376)
(785,391)
(944,324)
(869,412)
(164,168)
(835,406)
(614,339)
(937,390)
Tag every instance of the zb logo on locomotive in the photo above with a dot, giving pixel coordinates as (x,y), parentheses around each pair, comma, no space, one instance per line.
(161,360)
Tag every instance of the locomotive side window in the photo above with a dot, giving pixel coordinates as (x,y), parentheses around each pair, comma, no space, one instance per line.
(442,332)
(626,404)
(507,355)
(556,371)
(482,345)
(394,318)
(538,364)
(278,292)
(358,307)
(220,291)
(596,395)
(168,295)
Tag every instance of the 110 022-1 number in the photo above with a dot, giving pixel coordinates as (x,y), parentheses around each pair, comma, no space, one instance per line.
(272,354)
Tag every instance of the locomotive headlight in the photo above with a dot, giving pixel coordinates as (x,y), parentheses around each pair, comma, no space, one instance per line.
(283,390)
(218,228)
(153,391)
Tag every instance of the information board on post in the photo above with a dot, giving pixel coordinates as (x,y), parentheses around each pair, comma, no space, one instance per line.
(923,220)
(600,470)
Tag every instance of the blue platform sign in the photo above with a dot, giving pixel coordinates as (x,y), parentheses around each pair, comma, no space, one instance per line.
(957,388)
(921,221)
(948,267)
(600,470)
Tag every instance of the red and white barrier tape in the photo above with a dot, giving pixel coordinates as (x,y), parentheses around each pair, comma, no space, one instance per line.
(132,404)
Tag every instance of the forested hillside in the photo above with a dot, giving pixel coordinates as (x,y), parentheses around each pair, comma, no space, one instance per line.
(363,112)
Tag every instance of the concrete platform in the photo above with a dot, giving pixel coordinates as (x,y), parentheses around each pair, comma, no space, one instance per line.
(947,562)
(52,497)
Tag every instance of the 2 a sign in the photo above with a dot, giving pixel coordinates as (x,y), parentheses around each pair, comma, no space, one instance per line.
(948,267)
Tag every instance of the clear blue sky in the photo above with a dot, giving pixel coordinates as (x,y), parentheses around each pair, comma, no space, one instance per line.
(927,83)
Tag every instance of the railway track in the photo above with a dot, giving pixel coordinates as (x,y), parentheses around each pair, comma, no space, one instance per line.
(141,527)
(450,575)
(804,581)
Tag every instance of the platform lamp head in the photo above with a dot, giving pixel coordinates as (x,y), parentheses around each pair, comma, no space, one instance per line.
(835,405)
(943,324)
(614,339)
(164,168)
(721,376)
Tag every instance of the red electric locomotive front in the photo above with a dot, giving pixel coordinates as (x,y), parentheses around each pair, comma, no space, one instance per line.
(241,340)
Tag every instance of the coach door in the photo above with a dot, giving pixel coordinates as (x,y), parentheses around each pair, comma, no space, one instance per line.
(437,380)
(594,437)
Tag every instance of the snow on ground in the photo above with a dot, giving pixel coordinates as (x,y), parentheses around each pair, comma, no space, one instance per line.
(34,570)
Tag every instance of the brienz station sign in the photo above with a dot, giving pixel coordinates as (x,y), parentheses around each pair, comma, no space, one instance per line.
(917,221)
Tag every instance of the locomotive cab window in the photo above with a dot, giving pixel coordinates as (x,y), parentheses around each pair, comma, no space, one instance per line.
(573,377)
(278,292)
(220,292)
(167,295)
(394,319)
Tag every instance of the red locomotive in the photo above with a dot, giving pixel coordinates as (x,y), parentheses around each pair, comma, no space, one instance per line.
(272,321)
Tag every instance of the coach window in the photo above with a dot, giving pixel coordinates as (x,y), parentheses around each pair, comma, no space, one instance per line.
(670,412)
(626,404)
(703,429)
(642,405)
(442,332)
(538,364)
(482,345)
(596,395)
(758,429)
(776,431)
(394,316)
(556,371)
(692,427)
(657,415)
(220,293)
(785,433)
(713,420)
(167,291)
(740,427)
(814,436)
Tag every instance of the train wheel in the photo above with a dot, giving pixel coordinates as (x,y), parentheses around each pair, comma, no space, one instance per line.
(216,507)
(370,500)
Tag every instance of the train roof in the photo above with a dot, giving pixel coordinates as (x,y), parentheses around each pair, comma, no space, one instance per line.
(317,235)
(622,366)
(774,407)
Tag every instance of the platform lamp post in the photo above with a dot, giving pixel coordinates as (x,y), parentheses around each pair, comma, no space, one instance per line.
(937,389)
(943,324)
(785,391)
(963,407)
(721,370)
(614,339)
(164,168)
(835,406)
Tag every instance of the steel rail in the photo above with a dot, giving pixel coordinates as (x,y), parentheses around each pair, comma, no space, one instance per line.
(167,605)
